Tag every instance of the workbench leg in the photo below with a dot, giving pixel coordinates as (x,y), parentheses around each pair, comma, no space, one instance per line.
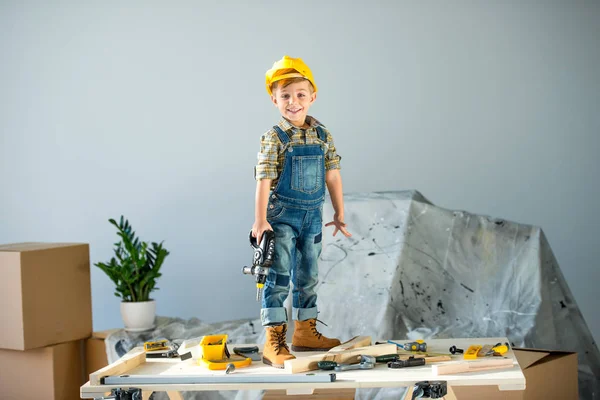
(409,392)
(146,394)
(450,395)
(174,395)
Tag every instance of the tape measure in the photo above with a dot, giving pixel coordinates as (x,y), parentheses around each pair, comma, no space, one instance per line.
(471,353)
(162,344)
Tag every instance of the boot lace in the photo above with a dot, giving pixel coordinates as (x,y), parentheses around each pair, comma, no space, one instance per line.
(313,327)
(278,340)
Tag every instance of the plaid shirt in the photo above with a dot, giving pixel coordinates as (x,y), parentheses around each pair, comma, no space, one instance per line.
(271,156)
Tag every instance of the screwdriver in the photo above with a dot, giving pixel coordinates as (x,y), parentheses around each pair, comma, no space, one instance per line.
(418,345)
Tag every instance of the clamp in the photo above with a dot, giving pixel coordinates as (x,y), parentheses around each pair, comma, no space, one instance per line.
(123,394)
(431,390)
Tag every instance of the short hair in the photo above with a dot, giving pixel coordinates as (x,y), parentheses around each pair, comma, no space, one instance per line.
(288,81)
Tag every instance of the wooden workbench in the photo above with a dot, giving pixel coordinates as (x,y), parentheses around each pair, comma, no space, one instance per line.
(134,363)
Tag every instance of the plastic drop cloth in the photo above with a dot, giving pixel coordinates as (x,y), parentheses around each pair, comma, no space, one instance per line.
(414,270)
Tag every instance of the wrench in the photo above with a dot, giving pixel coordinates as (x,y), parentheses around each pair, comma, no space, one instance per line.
(366,362)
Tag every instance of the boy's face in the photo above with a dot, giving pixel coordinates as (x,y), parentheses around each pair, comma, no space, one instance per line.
(293,101)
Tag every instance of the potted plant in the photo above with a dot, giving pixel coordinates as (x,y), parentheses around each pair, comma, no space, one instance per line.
(134,269)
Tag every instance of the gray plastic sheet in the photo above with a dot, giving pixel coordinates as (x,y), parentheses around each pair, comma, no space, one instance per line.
(418,271)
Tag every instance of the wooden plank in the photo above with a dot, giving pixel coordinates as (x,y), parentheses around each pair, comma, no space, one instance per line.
(174,395)
(129,361)
(309,363)
(472,366)
(318,394)
(357,341)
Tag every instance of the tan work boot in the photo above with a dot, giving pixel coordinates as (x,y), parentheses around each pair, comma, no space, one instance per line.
(275,351)
(307,338)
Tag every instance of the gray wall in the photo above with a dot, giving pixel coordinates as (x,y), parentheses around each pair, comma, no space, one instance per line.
(154,111)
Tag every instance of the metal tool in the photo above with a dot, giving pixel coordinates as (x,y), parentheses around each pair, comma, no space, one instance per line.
(418,345)
(230,368)
(163,354)
(327,365)
(262,260)
(123,394)
(162,344)
(411,362)
(366,362)
(165,350)
(386,358)
(221,379)
(431,390)
(455,350)
(249,351)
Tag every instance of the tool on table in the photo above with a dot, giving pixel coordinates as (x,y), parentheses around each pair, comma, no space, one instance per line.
(454,350)
(172,353)
(327,365)
(264,252)
(485,351)
(190,348)
(411,362)
(431,390)
(418,345)
(250,351)
(500,349)
(366,362)
(386,358)
(215,354)
(489,350)
(162,349)
(162,344)
(123,394)
(471,352)
(230,368)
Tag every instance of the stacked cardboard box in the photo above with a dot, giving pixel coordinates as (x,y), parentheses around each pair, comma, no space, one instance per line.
(549,374)
(95,351)
(46,313)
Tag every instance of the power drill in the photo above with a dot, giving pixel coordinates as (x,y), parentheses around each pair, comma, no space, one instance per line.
(262,260)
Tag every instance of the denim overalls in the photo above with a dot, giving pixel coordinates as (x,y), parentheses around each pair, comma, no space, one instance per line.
(295,214)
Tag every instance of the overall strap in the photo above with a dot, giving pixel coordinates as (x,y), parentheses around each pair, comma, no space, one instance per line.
(321,133)
(285,139)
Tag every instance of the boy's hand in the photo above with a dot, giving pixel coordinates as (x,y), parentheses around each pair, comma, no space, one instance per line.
(259,228)
(338,222)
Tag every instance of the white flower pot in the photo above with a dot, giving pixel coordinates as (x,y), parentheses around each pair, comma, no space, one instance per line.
(138,316)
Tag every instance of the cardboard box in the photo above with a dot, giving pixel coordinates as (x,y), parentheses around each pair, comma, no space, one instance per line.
(49,373)
(548,374)
(45,293)
(95,352)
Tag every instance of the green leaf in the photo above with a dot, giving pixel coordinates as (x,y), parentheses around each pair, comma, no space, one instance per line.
(135,266)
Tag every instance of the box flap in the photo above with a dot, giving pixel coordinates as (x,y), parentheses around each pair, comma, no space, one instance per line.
(103,334)
(528,357)
(33,246)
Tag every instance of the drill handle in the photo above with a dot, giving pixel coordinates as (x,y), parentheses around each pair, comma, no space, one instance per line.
(265,250)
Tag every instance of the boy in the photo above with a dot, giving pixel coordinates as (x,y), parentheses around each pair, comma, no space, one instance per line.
(297,159)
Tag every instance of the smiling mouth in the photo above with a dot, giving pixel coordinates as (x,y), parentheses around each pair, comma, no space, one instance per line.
(294,111)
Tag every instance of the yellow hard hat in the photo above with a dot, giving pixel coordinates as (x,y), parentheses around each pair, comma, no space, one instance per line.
(288,62)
